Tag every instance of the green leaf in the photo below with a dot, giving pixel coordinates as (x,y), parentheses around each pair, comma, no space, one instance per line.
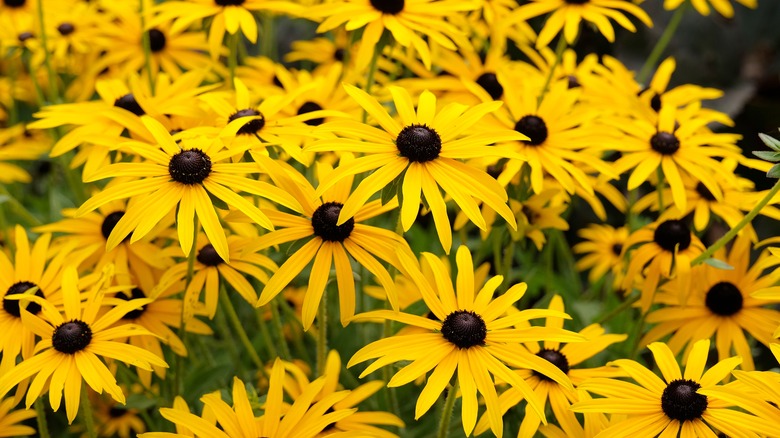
(767,155)
(771,142)
(392,189)
(719,264)
(774,172)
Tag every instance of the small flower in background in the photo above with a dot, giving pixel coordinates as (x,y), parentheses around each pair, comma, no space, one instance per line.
(469,332)
(723,7)
(10,419)
(682,409)
(602,252)
(724,304)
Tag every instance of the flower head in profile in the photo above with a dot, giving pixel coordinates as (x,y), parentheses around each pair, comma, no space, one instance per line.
(11,421)
(674,404)
(724,304)
(723,7)
(424,151)
(72,343)
(182,175)
(468,332)
(568,14)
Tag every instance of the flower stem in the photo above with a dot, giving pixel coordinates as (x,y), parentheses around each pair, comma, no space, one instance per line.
(559,49)
(619,309)
(446,412)
(54,94)
(660,189)
(267,47)
(86,412)
(662,43)
(40,413)
(277,322)
(147,45)
(738,227)
(235,321)
(232,57)
(322,333)
(17,207)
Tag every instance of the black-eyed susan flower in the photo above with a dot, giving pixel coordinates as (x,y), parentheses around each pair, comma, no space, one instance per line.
(678,143)
(468,332)
(28,268)
(567,15)
(226,15)
(723,7)
(672,405)
(424,151)
(113,419)
(757,392)
(720,305)
(71,344)
(209,269)
(10,419)
(360,422)
(304,418)
(563,135)
(329,244)
(602,252)
(404,20)
(19,144)
(667,248)
(558,397)
(182,175)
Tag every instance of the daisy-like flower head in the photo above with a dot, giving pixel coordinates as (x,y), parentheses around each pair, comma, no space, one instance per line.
(182,174)
(10,420)
(602,252)
(723,303)
(667,248)
(567,15)
(723,7)
(424,151)
(566,358)
(71,344)
(329,243)
(467,332)
(672,405)
(304,418)
(405,20)
(17,143)
(113,420)
(678,143)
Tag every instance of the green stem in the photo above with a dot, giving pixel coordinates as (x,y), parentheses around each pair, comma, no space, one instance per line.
(147,45)
(86,412)
(387,371)
(233,56)
(54,94)
(270,346)
(276,319)
(738,227)
(619,309)
(380,47)
(322,333)
(663,42)
(191,257)
(40,413)
(17,207)
(559,49)
(267,47)
(660,189)
(446,412)
(235,321)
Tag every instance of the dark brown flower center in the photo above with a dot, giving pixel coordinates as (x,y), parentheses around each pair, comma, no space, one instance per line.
(338,54)
(464,328)
(66,29)
(251,127)
(418,143)
(724,299)
(665,143)
(489,81)
(617,249)
(135,294)
(672,233)
(128,102)
(208,256)
(680,401)
(14,3)
(324,222)
(12,306)
(71,337)
(534,128)
(109,222)
(573,82)
(189,167)
(576,2)
(556,358)
(24,36)
(309,107)
(156,40)
(388,6)
(229,2)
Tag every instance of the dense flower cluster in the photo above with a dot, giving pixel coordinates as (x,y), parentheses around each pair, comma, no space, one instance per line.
(187,202)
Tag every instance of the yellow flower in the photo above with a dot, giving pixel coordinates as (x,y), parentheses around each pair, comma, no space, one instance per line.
(602,252)
(723,7)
